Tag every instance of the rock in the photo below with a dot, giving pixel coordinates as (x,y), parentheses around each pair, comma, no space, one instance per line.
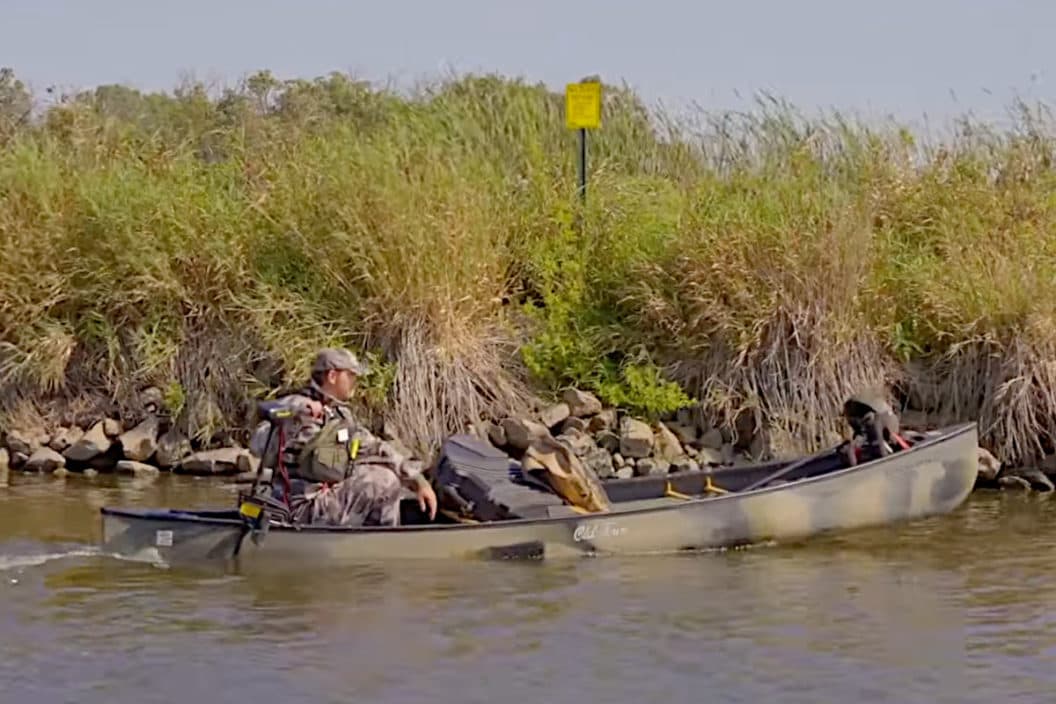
(644,467)
(686,434)
(743,460)
(608,440)
(64,438)
(521,432)
(989,466)
(139,443)
(18,459)
(112,427)
(685,464)
(1012,482)
(60,472)
(172,447)
(599,462)
(649,466)
(44,460)
(578,441)
(604,420)
(1034,477)
(552,416)
(92,444)
(581,404)
(573,423)
(5,460)
(107,461)
(710,457)
(151,399)
(728,453)
(136,468)
(479,430)
(711,439)
(496,435)
(90,473)
(210,462)
(618,461)
(636,438)
(248,462)
(625,472)
(19,441)
(667,445)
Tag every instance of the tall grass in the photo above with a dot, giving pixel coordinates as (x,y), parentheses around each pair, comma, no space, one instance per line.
(764,264)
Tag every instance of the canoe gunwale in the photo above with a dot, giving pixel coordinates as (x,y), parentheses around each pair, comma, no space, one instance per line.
(215,517)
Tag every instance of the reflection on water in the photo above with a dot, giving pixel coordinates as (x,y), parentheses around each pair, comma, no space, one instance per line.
(954,609)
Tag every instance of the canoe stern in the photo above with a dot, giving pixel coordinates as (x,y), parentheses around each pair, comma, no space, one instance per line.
(164,537)
(928,481)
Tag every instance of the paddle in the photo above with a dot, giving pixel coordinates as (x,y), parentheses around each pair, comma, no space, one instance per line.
(806,460)
(786,470)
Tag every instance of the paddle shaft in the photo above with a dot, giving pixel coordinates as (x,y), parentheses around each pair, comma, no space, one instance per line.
(783,471)
(260,467)
(253,489)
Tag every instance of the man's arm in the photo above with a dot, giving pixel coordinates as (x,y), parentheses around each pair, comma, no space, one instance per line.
(301,427)
(374,450)
(409,470)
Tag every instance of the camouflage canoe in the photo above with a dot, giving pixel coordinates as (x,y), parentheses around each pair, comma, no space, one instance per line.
(649,515)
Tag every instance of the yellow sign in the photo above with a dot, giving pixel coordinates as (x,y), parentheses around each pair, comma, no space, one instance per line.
(583,106)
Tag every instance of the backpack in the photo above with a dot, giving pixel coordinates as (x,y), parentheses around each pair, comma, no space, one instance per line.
(475,480)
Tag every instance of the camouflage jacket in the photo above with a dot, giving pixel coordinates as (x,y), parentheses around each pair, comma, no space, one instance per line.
(372,450)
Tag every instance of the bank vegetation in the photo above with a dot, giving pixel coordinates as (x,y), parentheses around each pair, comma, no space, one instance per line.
(760,266)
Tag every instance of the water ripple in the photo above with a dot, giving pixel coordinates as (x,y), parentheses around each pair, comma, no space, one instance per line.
(956,609)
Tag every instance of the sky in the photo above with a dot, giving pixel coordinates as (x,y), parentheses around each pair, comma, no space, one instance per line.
(911,60)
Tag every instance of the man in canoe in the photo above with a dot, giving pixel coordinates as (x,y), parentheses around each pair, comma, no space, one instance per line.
(340,473)
(874,426)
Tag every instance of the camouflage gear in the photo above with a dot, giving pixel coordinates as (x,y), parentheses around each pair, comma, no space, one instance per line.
(362,489)
(370,496)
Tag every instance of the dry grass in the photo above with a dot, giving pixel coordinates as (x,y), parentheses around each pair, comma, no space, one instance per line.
(769,263)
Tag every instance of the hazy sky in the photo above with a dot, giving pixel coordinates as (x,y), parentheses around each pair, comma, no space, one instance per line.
(900,57)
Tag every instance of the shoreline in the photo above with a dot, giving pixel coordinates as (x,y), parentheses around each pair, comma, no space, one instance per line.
(762,264)
(608,441)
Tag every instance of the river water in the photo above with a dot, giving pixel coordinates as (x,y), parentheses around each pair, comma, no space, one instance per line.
(954,609)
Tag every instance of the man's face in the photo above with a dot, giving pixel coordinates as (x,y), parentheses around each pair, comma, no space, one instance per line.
(340,384)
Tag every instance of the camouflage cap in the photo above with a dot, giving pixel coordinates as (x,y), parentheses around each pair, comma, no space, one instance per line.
(340,359)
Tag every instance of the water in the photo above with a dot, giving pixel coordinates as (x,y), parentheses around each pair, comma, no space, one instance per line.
(955,609)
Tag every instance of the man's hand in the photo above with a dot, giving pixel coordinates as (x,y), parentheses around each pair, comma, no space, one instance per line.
(426,497)
(314,409)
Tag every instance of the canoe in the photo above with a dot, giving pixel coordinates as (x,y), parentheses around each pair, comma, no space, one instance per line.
(650,514)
